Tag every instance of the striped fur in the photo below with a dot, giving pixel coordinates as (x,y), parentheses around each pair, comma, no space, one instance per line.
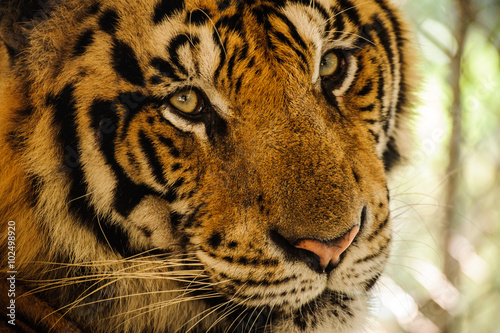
(135,217)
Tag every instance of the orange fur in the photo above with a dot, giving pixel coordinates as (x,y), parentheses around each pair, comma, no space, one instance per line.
(134,213)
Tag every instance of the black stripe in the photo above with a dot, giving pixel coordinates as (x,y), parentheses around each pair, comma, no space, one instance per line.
(376,254)
(338,24)
(170,196)
(178,183)
(117,237)
(293,30)
(170,144)
(380,227)
(365,35)
(146,231)
(104,111)
(193,218)
(126,64)
(131,104)
(175,218)
(166,8)
(109,21)
(251,62)
(367,88)
(380,88)
(314,5)
(198,17)
(243,52)
(286,41)
(127,194)
(36,184)
(230,65)
(367,108)
(83,42)
(94,8)
(386,125)
(217,41)
(155,80)
(152,158)
(215,126)
(371,282)
(375,135)
(391,155)
(231,23)
(351,11)
(176,166)
(164,68)
(262,15)
(396,27)
(64,119)
(385,40)
(173,47)
(78,199)
(12,51)
(238,85)
(253,283)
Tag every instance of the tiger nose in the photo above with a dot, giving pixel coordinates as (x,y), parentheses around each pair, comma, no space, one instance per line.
(327,253)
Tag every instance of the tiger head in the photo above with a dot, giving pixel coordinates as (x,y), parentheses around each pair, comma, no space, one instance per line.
(247,142)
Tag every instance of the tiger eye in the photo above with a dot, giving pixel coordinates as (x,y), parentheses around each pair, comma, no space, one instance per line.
(329,64)
(186,101)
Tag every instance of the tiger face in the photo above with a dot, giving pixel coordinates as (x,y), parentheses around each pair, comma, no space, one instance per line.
(207,165)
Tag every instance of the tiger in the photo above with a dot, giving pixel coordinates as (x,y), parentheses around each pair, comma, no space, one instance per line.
(200,166)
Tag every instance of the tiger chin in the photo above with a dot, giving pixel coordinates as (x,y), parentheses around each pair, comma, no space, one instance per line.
(200,166)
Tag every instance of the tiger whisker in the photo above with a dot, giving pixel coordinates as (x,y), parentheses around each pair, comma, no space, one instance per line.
(215,29)
(54,284)
(243,312)
(138,294)
(160,305)
(82,296)
(78,300)
(257,317)
(352,34)
(345,10)
(112,262)
(205,314)
(225,313)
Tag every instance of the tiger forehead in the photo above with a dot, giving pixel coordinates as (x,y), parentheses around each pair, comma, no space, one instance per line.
(283,36)
(279,30)
(222,42)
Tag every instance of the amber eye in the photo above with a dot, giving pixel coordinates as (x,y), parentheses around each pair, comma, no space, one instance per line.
(330,63)
(187,101)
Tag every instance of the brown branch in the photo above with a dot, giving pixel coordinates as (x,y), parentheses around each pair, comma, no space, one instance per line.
(453,221)
(434,41)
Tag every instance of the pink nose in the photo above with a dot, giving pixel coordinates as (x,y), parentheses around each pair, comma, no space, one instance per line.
(329,253)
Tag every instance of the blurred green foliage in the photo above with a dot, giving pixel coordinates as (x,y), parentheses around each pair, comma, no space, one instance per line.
(417,295)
